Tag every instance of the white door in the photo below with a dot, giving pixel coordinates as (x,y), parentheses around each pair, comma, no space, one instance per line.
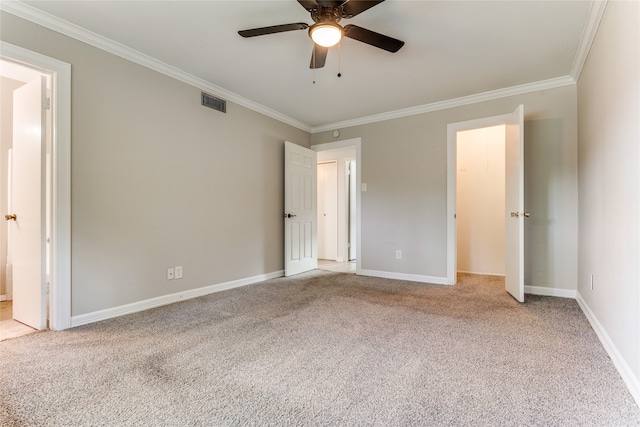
(300,214)
(514,204)
(328,211)
(27,204)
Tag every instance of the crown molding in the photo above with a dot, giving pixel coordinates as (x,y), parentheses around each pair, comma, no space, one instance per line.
(54,23)
(451,103)
(596,10)
(47,20)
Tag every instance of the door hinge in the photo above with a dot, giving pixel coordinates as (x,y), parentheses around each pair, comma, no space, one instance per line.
(46,104)
(47,289)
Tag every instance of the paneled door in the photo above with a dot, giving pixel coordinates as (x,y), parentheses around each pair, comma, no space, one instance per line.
(300,212)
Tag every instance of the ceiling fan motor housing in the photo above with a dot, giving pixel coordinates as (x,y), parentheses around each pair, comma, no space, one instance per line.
(326,14)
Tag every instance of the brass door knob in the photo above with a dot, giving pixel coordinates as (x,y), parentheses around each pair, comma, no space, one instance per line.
(11,217)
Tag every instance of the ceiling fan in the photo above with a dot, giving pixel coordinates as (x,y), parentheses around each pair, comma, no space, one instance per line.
(326,32)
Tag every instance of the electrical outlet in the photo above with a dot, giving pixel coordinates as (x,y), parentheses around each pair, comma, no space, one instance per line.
(179,272)
(398,254)
(170,273)
(364,186)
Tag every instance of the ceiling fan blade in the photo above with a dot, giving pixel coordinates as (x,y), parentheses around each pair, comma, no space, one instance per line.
(318,56)
(353,7)
(273,29)
(372,38)
(308,4)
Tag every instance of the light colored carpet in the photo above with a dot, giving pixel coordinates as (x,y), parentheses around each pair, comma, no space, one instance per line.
(323,348)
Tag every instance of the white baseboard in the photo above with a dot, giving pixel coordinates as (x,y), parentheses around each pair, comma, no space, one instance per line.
(549,292)
(632,382)
(3,297)
(135,307)
(404,276)
(481,274)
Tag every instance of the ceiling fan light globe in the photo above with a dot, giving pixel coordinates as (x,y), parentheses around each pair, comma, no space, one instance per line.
(326,34)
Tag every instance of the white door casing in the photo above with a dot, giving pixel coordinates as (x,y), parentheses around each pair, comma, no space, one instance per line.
(352,210)
(514,204)
(28,204)
(300,213)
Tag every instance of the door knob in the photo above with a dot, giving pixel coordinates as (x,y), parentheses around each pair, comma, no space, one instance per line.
(289,216)
(11,217)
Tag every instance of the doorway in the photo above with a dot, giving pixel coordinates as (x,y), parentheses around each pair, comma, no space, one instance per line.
(338,181)
(513,214)
(25,189)
(480,201)
(56,259)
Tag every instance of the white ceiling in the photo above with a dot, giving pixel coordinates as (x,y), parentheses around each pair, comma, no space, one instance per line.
(453,49)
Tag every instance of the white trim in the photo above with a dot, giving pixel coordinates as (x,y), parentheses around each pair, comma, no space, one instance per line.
(632,382)
(481,274)
(60,291)
(135,307)
(596,10)
(451,103)
(549,292)
(347,143)
(54,23)
(3,298)
(404,276)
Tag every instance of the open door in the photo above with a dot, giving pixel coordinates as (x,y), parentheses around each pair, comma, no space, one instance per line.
(300,212)
(514,204)
(28,201)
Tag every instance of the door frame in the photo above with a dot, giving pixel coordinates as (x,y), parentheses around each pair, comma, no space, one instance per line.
(452,153)
(60,256)
(357,143)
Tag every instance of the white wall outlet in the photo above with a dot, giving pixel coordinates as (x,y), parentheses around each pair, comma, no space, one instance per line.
(364,186)
(179,272)
(398,254)
(170,273)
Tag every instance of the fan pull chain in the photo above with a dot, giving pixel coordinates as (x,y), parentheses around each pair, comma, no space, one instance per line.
(340,58)
(313,56)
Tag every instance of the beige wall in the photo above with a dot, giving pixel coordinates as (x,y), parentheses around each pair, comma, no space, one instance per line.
(609,156)
(159,181)
(404,163)
(480,200)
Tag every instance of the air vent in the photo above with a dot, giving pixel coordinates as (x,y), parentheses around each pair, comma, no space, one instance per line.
(213,102)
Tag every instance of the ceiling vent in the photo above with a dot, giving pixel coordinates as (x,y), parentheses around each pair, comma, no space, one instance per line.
(213,102)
